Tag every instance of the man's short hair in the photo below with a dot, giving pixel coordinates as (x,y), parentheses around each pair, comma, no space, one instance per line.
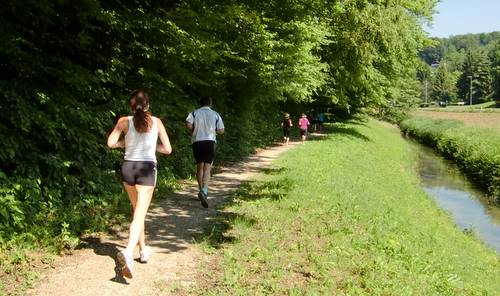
(206,101)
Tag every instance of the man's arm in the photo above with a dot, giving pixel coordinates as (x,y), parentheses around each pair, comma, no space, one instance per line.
(219,128)
(190,122)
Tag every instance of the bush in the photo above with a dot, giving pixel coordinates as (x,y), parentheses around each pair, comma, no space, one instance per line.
(68,68)
(476,150)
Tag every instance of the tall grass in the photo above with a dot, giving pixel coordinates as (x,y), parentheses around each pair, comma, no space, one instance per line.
(343,216)
(476,150)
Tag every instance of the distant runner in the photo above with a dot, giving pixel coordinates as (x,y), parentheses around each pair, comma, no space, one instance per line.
(303,126)
(205,124)
(138,170)
(321,119)
(286,124)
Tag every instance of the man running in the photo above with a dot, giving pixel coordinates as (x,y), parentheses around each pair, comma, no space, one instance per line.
(205,124)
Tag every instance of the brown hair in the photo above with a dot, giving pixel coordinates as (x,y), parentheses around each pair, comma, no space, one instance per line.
(139,103)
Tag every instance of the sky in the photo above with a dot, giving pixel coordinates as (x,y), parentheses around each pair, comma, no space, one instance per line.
(456,17)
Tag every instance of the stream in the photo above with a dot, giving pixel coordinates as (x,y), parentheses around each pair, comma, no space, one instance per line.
(470,209)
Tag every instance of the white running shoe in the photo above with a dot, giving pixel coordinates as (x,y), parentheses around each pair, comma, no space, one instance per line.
(125,263)
(145,255)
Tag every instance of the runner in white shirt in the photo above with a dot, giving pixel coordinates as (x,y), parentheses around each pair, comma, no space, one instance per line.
(205,124)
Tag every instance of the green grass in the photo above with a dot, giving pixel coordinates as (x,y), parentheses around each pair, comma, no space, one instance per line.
(483,107)
(343,216)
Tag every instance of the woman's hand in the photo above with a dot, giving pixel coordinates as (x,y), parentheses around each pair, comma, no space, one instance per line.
(119,144)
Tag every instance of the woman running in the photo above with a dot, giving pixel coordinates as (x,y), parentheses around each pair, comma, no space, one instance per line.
(286,124)
(138,170)
(303,125)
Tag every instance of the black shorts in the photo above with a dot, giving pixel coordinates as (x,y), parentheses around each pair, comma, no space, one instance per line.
(286,132)
(303,132)
(139,173)
(204,151)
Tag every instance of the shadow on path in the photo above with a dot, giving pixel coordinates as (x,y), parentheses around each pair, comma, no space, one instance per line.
(174,223)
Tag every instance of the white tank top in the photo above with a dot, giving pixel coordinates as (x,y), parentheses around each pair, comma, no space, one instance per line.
(141,146)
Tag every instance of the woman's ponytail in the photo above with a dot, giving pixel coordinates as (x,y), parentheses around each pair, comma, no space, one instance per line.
(139,102)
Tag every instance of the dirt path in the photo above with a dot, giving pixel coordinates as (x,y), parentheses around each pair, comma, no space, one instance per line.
(171,225)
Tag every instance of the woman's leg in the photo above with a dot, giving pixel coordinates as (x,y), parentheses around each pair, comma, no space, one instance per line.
(144,195)
(132,196)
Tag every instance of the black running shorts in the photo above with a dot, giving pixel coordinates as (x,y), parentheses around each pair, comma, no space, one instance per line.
(139,173)
(303,132)
(204,151)
(286,132)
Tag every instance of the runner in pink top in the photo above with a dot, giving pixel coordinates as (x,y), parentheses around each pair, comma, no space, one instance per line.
(303,125)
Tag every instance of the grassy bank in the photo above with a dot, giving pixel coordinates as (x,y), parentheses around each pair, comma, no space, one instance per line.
(343,215)
(476,150)
(484,107)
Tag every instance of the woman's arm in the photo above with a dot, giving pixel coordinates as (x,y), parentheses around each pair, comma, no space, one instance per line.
(114,137)
(164,147)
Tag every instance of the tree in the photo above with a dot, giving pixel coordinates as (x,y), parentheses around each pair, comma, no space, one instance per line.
(483,77)
(424,77)
(67,67)
(495,70)
(443,85)
(373,47)
(477,66)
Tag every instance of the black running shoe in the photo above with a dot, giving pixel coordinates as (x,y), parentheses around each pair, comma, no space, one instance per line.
(203,199)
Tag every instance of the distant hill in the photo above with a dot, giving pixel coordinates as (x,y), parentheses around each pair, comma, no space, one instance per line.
(455,65)
(450,48)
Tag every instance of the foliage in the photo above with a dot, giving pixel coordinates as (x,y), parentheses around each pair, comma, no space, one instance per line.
(477,150)
(355,222)
(477,66)
(444,85)
(495,70)
(453,49)
(465,56)
(372,51)
(67,68)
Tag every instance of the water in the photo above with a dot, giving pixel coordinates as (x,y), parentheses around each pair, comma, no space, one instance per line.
(443,181)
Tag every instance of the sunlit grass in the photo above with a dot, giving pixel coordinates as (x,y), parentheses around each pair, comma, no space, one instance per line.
(483,107)
(344,216)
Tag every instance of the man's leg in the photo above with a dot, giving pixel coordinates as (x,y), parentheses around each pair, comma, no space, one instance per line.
(199,174)
(206,177)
